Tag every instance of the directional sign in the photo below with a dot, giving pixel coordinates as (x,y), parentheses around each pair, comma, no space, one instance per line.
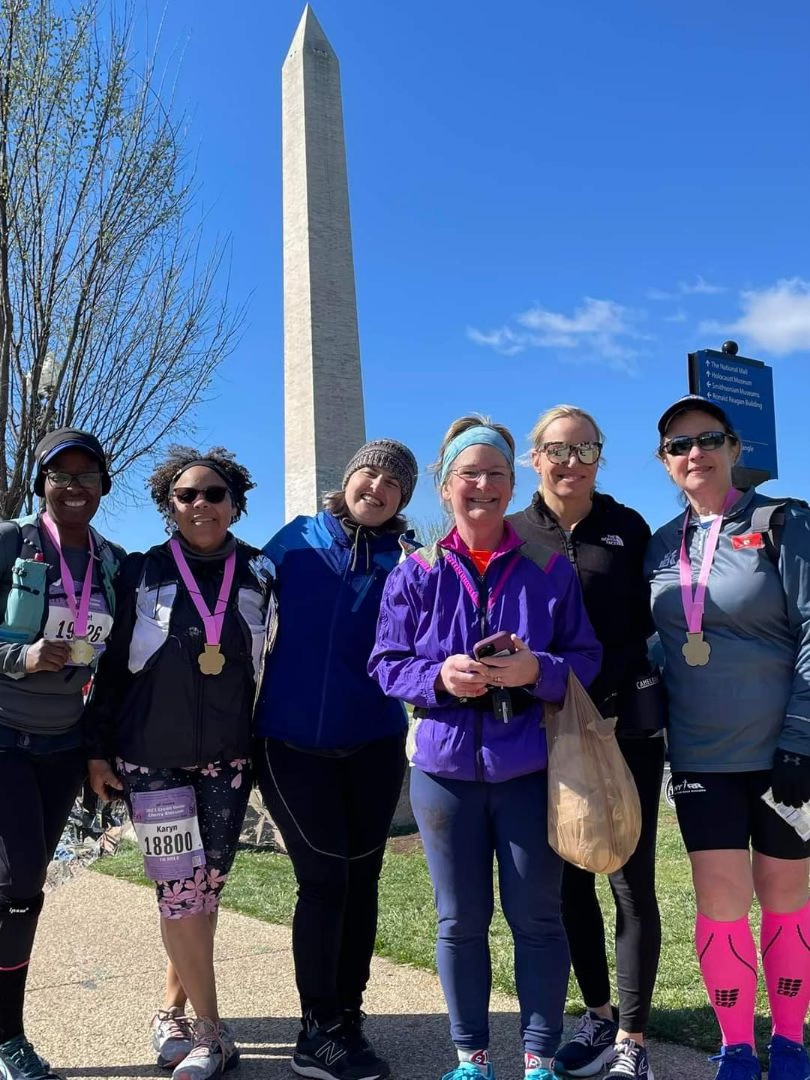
(743,388)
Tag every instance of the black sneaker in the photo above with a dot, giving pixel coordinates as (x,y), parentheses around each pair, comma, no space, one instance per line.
(630,1061)
(590,1047)
(323,1053)
(360,1049)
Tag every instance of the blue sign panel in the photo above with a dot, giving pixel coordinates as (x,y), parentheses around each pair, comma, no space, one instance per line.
(743,388)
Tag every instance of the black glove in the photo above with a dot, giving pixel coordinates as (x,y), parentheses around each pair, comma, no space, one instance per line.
(790,778)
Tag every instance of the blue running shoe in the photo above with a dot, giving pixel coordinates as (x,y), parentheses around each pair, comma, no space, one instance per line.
(590,1047)
(465,1070)
(787,1060)
(20,1061)
(737,1062)
(542,1074)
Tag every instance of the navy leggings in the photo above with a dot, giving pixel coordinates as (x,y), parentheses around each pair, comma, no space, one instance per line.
(465,825)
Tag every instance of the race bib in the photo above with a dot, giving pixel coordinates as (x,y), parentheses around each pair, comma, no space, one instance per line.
(168,832)
(59,626)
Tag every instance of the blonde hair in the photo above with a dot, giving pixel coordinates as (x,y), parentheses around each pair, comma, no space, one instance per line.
(456,428)
(561,412)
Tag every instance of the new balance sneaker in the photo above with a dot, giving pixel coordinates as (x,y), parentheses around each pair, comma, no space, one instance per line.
(213,1051)
(591,1045)
(630,1060)
(20,1061)
(737,1062)
(171,1036)
(787,1060)
(467,1070)
(360,1049)
(323,1053)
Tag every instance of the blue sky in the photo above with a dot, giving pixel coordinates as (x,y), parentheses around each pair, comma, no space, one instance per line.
(551,202)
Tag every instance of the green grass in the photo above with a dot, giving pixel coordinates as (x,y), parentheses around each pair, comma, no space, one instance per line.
(262,885)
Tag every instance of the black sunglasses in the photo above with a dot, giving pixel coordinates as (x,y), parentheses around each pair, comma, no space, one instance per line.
(214,494)
(707,440)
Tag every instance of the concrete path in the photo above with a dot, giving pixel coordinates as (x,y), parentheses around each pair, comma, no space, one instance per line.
(97,977)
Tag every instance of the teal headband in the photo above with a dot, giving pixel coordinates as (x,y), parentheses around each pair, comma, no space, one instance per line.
(480,435)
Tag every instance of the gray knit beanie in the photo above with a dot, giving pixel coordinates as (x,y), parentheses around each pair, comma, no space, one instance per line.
(390,455)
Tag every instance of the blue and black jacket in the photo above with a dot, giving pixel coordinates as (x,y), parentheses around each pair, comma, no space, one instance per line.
(316,692)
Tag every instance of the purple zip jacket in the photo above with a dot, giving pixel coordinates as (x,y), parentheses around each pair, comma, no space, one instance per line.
(436,604)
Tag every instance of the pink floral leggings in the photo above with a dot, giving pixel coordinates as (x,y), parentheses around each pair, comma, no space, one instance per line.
(222,790)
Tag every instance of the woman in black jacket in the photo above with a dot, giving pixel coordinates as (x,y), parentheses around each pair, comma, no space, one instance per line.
(172,710)
(606,542)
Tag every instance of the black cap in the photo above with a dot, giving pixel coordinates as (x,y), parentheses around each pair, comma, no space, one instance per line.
(68,439)
(693,403)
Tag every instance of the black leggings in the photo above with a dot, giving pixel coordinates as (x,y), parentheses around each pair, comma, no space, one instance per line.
(638,922)
(36,794)
(334,814)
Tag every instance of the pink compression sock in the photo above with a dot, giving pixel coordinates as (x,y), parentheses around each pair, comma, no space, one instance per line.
(785,945)
(728,963)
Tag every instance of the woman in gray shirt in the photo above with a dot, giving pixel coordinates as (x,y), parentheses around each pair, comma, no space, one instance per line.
(733,613)
(57,601)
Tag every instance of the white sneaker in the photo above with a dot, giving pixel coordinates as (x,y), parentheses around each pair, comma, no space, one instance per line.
(213,1052)
(171,1036)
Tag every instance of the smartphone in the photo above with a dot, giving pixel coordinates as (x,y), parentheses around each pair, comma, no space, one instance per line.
(499,644)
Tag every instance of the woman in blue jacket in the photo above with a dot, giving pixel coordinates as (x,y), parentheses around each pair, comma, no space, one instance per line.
(330,756)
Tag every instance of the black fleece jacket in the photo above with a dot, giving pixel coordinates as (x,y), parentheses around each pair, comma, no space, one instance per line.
(607,551)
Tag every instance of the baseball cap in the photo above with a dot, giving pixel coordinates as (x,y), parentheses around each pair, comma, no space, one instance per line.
(693,403)
(54,442)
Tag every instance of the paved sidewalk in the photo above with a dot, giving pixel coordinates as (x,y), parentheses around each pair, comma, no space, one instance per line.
(97,977)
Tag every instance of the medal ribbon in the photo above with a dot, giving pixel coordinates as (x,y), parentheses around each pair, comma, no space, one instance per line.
(693,604)
(79,612)
(212,621)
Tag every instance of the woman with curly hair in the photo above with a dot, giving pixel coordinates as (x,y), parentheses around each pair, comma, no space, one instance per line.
(187,645)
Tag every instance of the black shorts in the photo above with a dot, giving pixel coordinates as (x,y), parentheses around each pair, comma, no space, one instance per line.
(725,811)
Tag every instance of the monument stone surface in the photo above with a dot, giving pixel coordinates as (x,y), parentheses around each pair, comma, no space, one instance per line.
(323,390)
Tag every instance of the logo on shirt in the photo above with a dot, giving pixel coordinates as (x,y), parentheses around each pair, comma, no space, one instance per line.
(670,559)
(613,540)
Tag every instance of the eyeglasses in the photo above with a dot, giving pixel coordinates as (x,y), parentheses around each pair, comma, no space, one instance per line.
(472,476)
(560,452)
(214,494)
(707,440)
(83,479)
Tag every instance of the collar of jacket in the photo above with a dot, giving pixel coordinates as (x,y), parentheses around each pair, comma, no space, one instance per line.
(510,541)
(549,520)
(738,510)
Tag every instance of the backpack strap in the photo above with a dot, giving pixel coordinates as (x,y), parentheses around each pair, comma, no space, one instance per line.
(769,520)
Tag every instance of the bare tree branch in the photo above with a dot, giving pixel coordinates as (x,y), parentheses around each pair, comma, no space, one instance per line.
(112,313)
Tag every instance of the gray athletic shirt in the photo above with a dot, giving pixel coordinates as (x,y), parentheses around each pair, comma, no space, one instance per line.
(754,694)
(44,702)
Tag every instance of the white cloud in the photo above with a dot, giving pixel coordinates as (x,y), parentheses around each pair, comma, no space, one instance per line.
(597,332)
(699,287)
(776,318)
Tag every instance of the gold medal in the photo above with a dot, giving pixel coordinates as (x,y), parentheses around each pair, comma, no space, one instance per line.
(696,650)
(81,651)
(211,661)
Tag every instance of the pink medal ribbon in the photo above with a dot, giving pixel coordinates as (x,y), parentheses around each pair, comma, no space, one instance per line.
(81,651)
(211,660)
(696,651)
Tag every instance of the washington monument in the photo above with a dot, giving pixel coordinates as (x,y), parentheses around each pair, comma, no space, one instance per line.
(323,403)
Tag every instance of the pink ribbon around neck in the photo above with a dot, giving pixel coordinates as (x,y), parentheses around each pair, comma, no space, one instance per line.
(693,604)
(79,611)
(212,620)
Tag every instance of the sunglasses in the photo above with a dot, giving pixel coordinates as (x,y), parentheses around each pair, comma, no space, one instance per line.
(83,479)
(560,452)
(707,440)
(187,495)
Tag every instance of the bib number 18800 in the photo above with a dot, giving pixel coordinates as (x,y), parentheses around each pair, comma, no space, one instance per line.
(168,832)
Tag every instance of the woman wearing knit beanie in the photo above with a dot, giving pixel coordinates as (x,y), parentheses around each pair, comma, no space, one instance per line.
(330,751)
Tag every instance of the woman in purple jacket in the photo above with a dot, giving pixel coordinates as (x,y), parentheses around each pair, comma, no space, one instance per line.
(478,747)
